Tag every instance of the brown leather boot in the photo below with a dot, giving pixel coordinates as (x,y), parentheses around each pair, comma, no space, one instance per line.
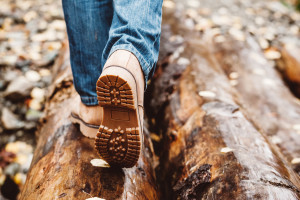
(89,118)
(120,90)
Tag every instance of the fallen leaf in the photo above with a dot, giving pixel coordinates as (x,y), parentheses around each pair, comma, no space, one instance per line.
(276,140)
(207,94)
(296,161)
(99,163)
(272,54)
(226,150)
(296,127)
(183,61)
(233,75)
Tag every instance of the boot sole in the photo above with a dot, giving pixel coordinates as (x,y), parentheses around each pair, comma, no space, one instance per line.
(118,137)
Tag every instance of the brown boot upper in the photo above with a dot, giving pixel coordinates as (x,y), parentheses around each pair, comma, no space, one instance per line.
(91,115)
(127,60)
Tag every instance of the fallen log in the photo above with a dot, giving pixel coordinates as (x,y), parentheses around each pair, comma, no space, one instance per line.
(61,167)
(264,95)
(210,149)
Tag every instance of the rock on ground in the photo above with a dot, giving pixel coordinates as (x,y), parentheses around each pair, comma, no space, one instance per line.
(19,88)
(10,120)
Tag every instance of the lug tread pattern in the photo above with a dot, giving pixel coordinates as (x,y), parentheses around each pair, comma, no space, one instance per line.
(118,147)
(114,91)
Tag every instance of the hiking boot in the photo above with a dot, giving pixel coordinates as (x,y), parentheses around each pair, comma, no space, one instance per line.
(88,117)
(120,90)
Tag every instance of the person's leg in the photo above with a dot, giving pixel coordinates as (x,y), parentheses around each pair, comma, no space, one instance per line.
(88,24)
(136,27)
(128,58)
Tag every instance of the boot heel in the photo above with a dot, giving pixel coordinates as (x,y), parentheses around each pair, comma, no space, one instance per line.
(113,90)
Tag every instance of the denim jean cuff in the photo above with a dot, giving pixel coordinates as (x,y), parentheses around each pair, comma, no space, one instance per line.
(89,101)
(145,66)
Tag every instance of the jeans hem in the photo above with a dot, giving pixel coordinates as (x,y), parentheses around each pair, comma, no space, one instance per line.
(89,101)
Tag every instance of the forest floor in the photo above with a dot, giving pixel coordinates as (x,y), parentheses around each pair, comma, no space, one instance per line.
(31,36)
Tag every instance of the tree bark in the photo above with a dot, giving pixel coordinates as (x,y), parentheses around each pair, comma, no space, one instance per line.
(215,136)
(61,167)
(210,149)
(265,97)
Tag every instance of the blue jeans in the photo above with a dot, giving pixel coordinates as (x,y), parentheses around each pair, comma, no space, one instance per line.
(97,28)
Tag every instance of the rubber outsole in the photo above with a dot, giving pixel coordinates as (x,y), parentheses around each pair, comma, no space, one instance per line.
(112,90)
(118,137)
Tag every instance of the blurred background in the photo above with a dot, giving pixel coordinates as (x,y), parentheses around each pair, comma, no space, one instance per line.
(32,34)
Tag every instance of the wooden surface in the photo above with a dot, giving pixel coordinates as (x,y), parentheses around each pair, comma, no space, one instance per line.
(61,167)
(223,124)
(263,94)
(211,128)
